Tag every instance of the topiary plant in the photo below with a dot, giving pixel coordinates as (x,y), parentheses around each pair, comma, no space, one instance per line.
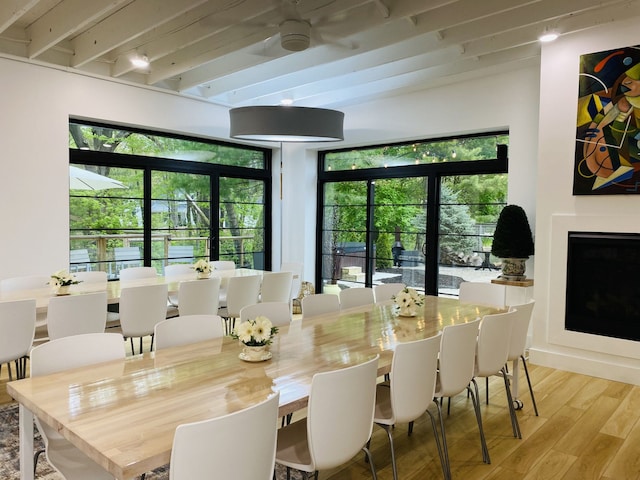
(512,237)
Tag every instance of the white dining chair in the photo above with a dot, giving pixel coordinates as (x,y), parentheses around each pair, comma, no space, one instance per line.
(241,291)
(223,265)
(456,369)
(483,293)
(218,447)
(140,309)
(296,268)
(187,329)
(137,273)
(491,356)
(410,391)
(518,343)
(199,297)
(77,314)
(338,424)
(385,291)
(279,313)
(27,282)
(276,287)
(319,304)
(63,354)
(356,297)
(17,329)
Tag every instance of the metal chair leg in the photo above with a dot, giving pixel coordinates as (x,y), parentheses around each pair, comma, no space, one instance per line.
(445,448)
(476,406)
(371,465)
(436,434)
(526,371)
(512,412)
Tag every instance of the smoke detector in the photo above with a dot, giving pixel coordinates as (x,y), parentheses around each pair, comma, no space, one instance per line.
(295,35)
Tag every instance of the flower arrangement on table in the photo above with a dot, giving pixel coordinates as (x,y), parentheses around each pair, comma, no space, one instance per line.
(61,280)
(256,335)
(407,302)
(203,267)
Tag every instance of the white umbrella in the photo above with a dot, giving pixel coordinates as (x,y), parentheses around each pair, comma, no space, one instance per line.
(81,179)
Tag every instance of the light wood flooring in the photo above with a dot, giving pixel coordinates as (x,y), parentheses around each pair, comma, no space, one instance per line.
(588,428)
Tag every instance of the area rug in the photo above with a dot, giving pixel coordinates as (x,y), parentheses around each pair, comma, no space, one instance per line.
(10,449)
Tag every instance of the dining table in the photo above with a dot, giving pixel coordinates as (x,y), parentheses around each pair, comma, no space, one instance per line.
(123,414)
(114,287)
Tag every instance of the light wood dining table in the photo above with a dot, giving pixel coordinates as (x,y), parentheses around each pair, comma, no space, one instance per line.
(123,414)
(114,287)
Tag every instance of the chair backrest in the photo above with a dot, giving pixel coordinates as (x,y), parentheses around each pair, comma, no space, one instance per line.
(413,377)
(278,312)
(223,265)
(187,329)
(340,413)
(199,297)
(520,329)
(297,269)
(180,254)
(179,270)
(79,259)
(493,343)
(242,291)
(457,358)
(141,308)
(385,291)
(355,297)
(483,293)
(17,328)
(76,314)
(319,303)
(252,430)
(276,287)
(136,273)
(29,282)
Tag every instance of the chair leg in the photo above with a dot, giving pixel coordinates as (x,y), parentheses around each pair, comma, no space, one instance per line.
(526,371)
(446,466)
(476,407)
(486,389)
(394,467)
(9,368)
(35,460)
(371,465)
(141,345)
(153,337)
(436,435)
(512,411)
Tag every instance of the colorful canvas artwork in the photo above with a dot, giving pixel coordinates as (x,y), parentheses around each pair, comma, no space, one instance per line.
(607,155)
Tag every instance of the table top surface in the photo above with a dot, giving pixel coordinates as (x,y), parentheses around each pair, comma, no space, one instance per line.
(123,414)
(114,287)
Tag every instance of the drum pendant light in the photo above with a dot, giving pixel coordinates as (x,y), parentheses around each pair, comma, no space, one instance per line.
(286,124)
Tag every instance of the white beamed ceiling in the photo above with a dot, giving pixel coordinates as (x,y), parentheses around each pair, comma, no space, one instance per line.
(228,52)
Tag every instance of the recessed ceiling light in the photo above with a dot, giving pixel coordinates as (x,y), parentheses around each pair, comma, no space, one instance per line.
(141,61)
(286,101)
(548,36)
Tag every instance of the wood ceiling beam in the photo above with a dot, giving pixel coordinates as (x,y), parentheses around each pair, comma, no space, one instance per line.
(12,10)
(125,24)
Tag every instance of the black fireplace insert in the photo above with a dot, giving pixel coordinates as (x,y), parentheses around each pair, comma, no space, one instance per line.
(603,284)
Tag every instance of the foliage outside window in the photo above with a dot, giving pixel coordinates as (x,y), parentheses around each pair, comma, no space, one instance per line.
(161,211)
(427,224)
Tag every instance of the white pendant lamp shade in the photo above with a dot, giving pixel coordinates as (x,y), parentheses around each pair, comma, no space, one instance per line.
(286,124)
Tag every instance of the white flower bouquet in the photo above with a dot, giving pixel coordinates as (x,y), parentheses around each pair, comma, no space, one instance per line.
(407,302)
(202,266)
(62,278)
(255,333)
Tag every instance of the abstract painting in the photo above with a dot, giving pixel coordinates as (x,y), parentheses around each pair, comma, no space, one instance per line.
(607,155)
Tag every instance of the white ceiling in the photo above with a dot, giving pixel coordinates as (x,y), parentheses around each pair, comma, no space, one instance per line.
(228,51)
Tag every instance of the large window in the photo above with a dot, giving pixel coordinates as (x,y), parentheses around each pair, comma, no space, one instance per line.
(143,198)
(421,213)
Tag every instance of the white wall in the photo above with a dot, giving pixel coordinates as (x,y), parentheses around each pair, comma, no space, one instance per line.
(558,211)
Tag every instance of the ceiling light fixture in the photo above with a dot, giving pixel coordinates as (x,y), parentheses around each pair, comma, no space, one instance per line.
(141,61)
(548,36)
(286,124)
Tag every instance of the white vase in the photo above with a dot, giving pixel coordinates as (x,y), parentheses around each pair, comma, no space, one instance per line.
(63,290)
(202,275)
(255,354)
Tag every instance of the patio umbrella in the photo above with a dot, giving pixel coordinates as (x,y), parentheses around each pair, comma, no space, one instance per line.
(81,179)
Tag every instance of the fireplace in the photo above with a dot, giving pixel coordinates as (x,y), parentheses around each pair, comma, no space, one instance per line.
(602,288)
